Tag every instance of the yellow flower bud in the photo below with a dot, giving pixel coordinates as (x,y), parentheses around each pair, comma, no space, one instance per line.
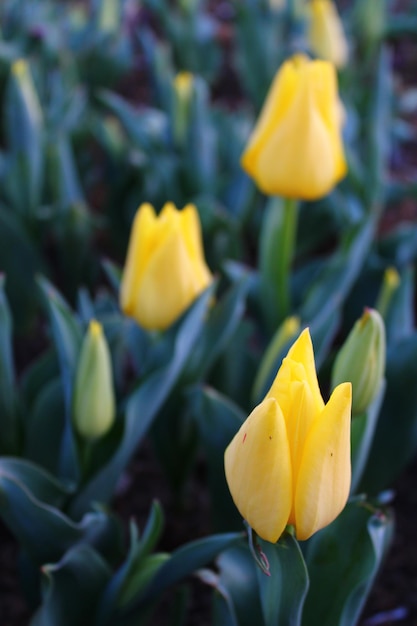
(94,404)
(326,34)
(165,268)
(296,149)
(362,360)
(290,461)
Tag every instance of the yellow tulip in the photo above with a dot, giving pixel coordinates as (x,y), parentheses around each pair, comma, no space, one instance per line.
(165,268)
(94,406)
(296,149)
(326,34)
(290,461)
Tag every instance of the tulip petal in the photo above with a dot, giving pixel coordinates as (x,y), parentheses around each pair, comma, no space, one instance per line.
(326,34)
(140,246)
(277,102)
(298,365)
(324,475)
(329,105)
(295,149)
(297,161)
(191,230)
(168,285)
(258,471)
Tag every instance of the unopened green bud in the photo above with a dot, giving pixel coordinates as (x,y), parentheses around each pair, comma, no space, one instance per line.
(109,16)
(183,85)
(390,284)
(94,403)
(369,18)
(361,360)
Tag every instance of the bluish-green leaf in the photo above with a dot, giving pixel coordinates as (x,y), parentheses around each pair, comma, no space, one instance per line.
(71,588)
(143,406)
(218,420)
(237,600)
(67,337)
(283,593)
(44,426)
(42,530)
(362,433)
(218,328)
(39,483)
(331,287)
(24,133)
(184,561)
(395,440)
(343,560)
(8,410)
(139,548)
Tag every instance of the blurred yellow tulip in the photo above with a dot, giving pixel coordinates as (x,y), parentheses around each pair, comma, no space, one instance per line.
(326,35)
(290,461)
(165,268)
(296,149)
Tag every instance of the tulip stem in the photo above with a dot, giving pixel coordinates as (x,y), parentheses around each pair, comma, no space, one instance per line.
(279,230)
(258,554)
(285,256)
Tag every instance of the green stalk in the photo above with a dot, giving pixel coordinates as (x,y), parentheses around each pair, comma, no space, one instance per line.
(278,237)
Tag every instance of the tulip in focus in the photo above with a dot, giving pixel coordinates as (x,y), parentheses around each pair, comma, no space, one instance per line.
(296,149)
(326,34)
(362,360)
(165,268)
(94,404)
(290,461)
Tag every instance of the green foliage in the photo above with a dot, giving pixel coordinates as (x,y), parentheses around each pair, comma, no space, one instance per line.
(91,128)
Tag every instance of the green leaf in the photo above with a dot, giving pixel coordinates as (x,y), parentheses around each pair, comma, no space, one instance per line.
(183,562)
(138,551)
(343,560)
(67,336)
(283,592)
(362,433)
(146,128)
(44,426)
(8,409)
(113,273)
(141,576)
(143,406)
(41,484)
(62,174)
(218,420)
(395,440)
(43,531)
(24,136)
(71,588)
(323,303)
(379,130)
(237,600)
(327,294)
(37,375)
(19,260)
(218,328)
